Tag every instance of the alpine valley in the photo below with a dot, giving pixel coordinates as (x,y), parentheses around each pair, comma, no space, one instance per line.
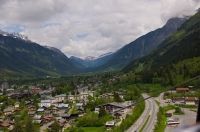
(178,40)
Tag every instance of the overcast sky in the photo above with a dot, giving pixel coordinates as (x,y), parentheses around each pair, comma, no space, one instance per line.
(89,27)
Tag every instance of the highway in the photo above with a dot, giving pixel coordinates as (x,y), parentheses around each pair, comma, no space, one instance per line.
(151,109)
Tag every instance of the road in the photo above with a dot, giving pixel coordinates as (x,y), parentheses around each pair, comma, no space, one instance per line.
(150,109)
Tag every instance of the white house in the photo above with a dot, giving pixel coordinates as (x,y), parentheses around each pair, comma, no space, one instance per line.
(60,98)
(191,100)
(45,103)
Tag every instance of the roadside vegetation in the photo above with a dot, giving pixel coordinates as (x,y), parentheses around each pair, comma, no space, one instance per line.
(161,118)
(178,111)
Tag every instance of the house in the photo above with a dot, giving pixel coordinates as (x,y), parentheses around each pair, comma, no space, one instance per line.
(191,100)
(35,90)
(69,117)
(62,122)
(118,115)
(45,103)
(178,99)
(4,86)
(40,110)
(37,117)
(37,121)
(31,108)
(60,98)
(31,113)
(182,90)
(7,111)
(16,105)
(47,112)
(46,119)
(70,97)
(112,107)
(110,125)
(53,109)
(107,96)
(79,105)
(63,106)
(28,102)
(52,99)
(5,124)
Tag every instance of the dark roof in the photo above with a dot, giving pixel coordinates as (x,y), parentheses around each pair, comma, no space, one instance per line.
(191,99)
(114,104)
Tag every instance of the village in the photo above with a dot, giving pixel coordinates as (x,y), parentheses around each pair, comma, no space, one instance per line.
(67,109)
(44,108)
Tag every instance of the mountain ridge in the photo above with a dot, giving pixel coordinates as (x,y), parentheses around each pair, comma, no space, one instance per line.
(139,47)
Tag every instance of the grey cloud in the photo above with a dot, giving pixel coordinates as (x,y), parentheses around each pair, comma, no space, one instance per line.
(110,24)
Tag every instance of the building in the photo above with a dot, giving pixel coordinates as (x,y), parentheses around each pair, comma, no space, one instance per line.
(4,86)
(110,125)
(182,90)
(191,100)
(16,105)
(45,103)
(8,111)
(60,98)
(36,90)
(112,107)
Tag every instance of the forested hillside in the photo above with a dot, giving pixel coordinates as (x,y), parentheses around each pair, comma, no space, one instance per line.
(175,59)
(21,58)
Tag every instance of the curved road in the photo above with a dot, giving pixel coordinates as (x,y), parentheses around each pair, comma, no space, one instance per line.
(150,109)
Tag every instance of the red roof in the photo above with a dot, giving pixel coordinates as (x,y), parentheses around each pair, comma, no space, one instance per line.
(182,89)
(47,117)
(5,124)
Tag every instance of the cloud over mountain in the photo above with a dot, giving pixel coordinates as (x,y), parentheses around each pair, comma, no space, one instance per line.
(89,28)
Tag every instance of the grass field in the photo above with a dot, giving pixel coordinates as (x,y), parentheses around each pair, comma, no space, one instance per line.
(94,129)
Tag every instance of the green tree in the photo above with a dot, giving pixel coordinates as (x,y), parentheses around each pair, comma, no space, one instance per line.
(30,127)
(18,126)
(55,127)
(102,111)
(117,98)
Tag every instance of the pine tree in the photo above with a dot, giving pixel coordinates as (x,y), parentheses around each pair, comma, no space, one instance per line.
(17,126)
(29,125)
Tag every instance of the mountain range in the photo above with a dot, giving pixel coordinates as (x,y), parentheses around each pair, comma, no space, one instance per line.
(139,47)
(21,57)
(182,47)
(91,61)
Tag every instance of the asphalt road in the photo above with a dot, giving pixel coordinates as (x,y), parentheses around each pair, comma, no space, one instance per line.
(150,109)
(153,116)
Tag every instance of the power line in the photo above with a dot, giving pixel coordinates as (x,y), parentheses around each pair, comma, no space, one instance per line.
(138,102)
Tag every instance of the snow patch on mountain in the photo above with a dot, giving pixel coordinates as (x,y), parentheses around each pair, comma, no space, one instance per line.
(106,54)
(15,35)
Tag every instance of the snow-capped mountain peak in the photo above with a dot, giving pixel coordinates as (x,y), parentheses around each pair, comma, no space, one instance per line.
(106,54)
(15,35)
(89,58)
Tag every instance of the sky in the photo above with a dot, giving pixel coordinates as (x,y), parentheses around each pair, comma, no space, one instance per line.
(89,27)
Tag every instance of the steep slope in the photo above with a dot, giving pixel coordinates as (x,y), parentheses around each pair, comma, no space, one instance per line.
(183,44)
(141,46)
(20,57)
